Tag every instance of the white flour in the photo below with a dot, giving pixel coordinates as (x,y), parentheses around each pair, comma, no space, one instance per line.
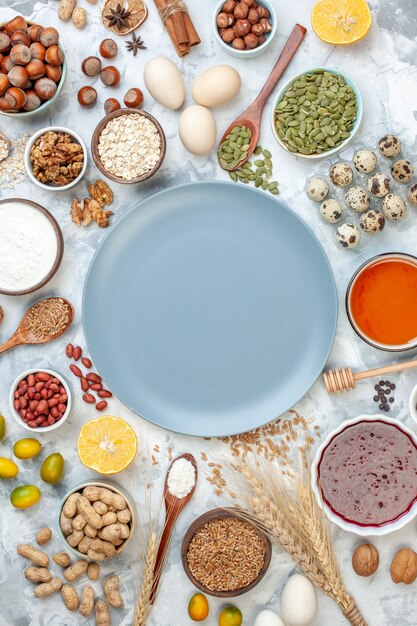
(28,246)
(181,478)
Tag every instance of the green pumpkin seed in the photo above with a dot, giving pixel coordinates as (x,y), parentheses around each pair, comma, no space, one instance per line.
(233,176)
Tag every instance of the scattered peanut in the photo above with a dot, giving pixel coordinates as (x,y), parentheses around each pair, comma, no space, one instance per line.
(70,597)
(87,601)
(111,591)
(102,613)
(43,536)
(66,7)
(62,558)
(93,571)
(38,574)
(79,17)
(36,556)
(47,589)
(72,572)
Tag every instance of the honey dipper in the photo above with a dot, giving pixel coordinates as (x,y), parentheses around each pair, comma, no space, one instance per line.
(343,379)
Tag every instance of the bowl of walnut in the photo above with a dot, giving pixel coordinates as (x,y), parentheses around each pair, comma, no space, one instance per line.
(244,28)
(55,158)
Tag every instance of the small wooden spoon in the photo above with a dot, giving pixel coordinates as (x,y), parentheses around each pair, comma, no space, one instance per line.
(24,335)
(252,116)
(173,507)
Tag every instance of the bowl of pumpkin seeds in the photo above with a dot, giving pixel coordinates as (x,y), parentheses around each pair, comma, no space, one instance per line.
(317,113)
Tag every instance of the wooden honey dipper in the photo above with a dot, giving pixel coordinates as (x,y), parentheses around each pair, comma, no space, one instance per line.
(343,379)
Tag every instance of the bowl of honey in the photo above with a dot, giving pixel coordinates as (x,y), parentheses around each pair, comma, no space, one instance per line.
(381,302)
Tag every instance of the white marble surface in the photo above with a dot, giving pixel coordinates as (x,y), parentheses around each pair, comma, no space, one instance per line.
(384,67)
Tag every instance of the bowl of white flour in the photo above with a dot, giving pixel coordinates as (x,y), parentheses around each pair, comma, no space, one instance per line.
(32,246)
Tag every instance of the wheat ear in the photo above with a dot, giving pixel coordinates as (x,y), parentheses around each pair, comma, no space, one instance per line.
(143,606)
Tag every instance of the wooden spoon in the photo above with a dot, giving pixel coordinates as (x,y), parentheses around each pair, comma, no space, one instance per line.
(24,335)
(173,507)
(252,116)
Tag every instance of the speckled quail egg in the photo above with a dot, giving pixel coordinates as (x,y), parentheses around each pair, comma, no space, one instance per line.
(389,146)
(341,174)
(379,185)
(357,199)
(412,194)
(372,222)
(348,235)
(331,211)
(394,207)
(365,161)
(317,189)
(402,170)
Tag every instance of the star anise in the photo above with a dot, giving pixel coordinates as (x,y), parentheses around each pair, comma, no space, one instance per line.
(118,17)
(135,44)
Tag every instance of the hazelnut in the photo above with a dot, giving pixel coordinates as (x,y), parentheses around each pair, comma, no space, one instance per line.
(35,69)
(18,76)
(20,36)
(238,43)
(251,41)
(228,35)
(229,6)
(241,11)
(33,101)
(108,48)
(4,83)
(17,97)
(261,40)
(6,103)
(7,64)
(248,2)
(404,566)
(54,55)
(266,25)
(49,37)
(262,11)
(87,96)
(45,88)
(54,72)
(253,16)
(365,559)
(38,51)
(17,23)
(34,32)
(110,105)
(4,42)
(91,66)
(257,29)
(224,20)
(20,54)
(133,98)
(242,28)
(110,76)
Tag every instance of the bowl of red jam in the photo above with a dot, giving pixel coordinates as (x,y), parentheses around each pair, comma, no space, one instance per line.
(364,475)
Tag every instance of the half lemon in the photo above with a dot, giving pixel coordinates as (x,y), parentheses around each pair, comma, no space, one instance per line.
(107,444)
(341,22)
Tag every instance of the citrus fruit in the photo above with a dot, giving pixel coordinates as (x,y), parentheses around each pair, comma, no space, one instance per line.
(8,468)
(27,448)
(2,427)
(230,616)
(198,607)
(52,468)
(341,22)
(107,444)
(25,496)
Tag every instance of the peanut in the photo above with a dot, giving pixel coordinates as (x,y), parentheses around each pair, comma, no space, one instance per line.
(84,544)
(90,531)
(75,537)
(102,613)
(87,601)
(124,516)
(38,574)
(70,597)
(72,572)
(62,558)
(65,523)
(70,507)
(109,518)
(47,589)
(112,498)
(96,556)
(103,547)
(43,536)
(111,591)
(92,493)
(36,556)
(66,7)
(79,522)
(112,533)
(79,17)
(93,571)
(100,507)
(92,517)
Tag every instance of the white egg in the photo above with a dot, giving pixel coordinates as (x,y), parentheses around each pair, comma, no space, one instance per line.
(298,601)
(164,82)
(216,85)
(268,618)
(197,128)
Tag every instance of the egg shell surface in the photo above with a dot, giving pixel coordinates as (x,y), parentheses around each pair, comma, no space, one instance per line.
(298,601)
(216,86)
(197,129)
(164,82)
(268,618)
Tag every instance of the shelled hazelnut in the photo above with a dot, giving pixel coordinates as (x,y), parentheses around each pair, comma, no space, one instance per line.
(241,10)
(110,105)
(87,96)
(108,48)
(243,24)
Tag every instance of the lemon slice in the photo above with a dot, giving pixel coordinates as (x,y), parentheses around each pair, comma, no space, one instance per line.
(341,22)
(107,444)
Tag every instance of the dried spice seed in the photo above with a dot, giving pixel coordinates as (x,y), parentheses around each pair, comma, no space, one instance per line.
(47,318)
(135,44)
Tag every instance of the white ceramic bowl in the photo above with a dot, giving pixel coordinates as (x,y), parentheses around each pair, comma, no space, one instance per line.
(17,417)
(331,151)
(28,164)
(364,531)
(113,486)
(246,54)
(413,404)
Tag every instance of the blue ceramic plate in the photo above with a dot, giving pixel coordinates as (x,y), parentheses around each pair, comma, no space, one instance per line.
(210,309)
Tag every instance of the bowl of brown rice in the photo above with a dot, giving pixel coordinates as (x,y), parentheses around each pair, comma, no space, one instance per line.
(225,555)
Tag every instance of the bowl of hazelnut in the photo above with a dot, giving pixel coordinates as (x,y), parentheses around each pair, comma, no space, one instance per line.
(32,67)
(244,28)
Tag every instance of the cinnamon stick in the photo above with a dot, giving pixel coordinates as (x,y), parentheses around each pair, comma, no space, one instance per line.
(193,36)
(178,24)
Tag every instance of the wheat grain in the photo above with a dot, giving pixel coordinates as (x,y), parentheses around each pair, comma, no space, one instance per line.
(144,606)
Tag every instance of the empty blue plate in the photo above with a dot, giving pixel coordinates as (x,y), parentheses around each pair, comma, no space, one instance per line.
(210,309)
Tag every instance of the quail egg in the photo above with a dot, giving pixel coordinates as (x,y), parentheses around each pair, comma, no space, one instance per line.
(365,161)
(331,211)
(394,207)
(357,199)
(412,194)
(341,174)
(372,222)
(348,235)
(317,189)
(389,146)
(379,184)
(402,170)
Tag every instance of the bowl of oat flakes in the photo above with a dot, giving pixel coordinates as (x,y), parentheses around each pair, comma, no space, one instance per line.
(128,146)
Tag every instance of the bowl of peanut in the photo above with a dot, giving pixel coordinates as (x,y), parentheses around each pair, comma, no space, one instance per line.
(96,520)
